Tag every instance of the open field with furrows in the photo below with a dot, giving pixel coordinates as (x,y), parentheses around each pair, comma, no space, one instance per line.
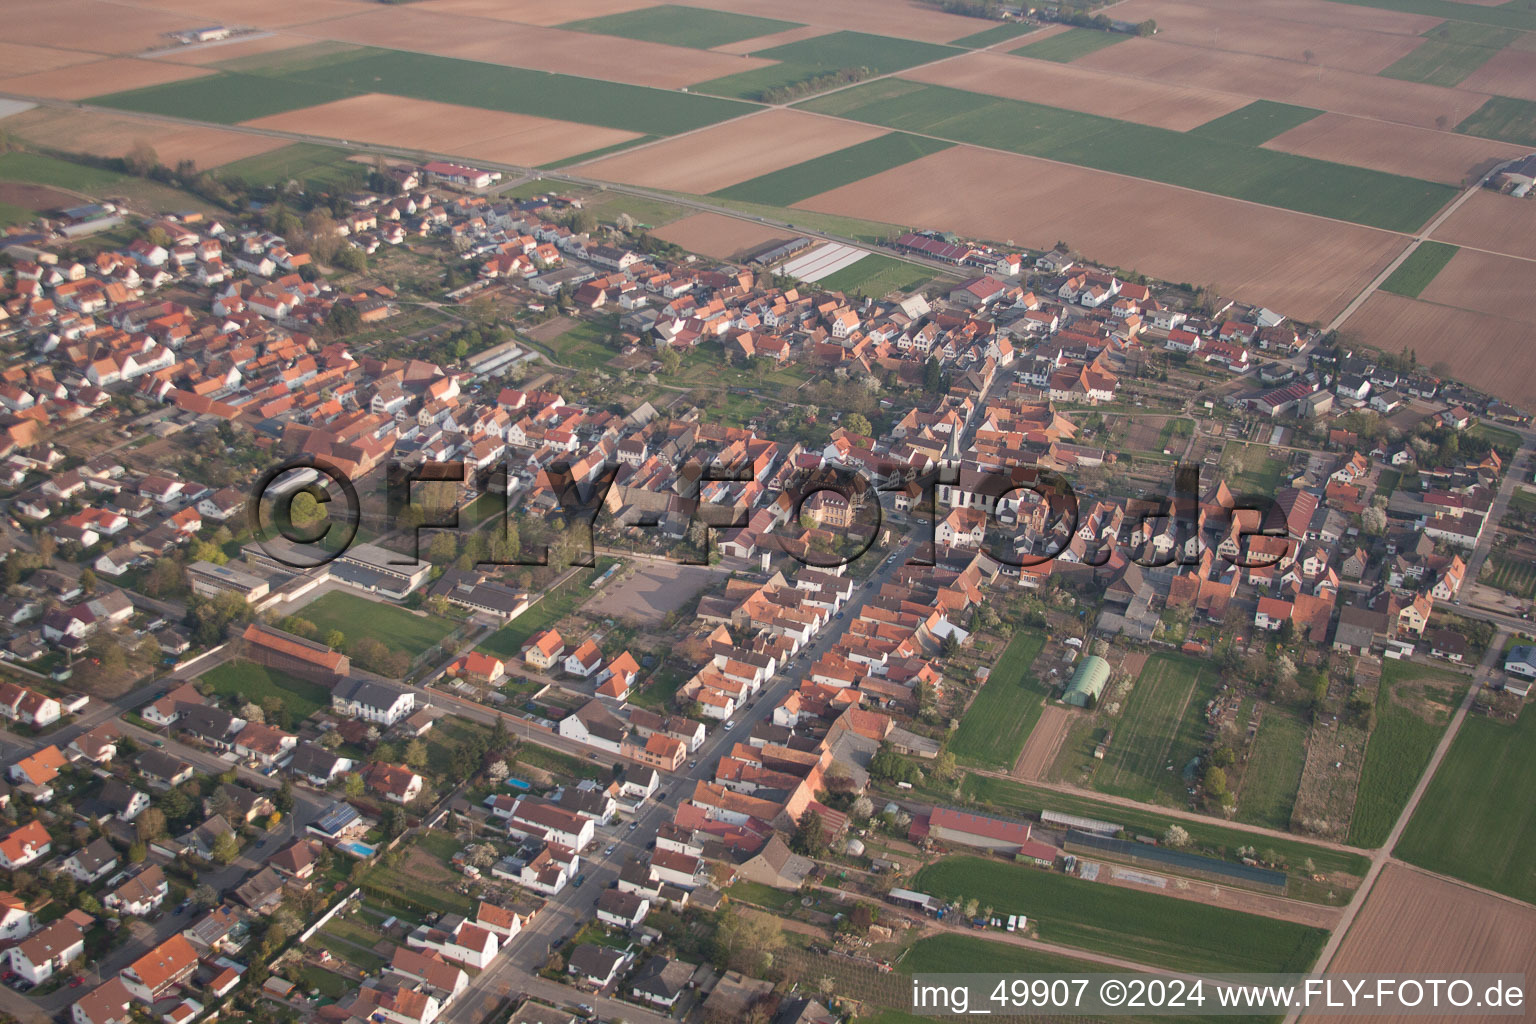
(1485,283)
(681,26)
(1503,117)
(269,14)
(1128,923)
(1477,820)
(725,154)
(537,12)
(998,721)
(844,167)
(1072,88)
(1491,221)
(1415,273)
(1337,36)
(97,26)
(719,236)
(1289,80)
(1395,148)
(87,131)
(1413,922)
(1184,159)
(1159,731)
(1450,53)
(821,55)
(1282,260)
(232,50)
(446,128)
(1413,706)
(1486,351)
(17,59)
(79,81)
(1510,72)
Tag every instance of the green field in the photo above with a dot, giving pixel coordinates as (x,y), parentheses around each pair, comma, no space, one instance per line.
(391,625)
(1414,274)
(877,276)
(11,214)
(822,55)
(1400,747)
(508,641)
(305,162)
(1162,725)
(246,680)
(1211,838)
(1273,772)
(1508,14)
(230,97)
(1503,117)
(1129,923)
(1071,44)
(1511,575)
(1193,161)
(789,185)
(681,26)
(1250,469)
(998,721)
(1450,52)
(993,36)
(46,170)
(1256,123)
(584,346)
(1477,820)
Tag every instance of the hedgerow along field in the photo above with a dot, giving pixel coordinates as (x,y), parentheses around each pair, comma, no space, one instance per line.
(1413,275)
(1477,820)
(823,55)
(1401,744)
(1159,731)
(789,185)
(1199,162)
(1256,123)
(230,97)
(998,721)
(676,25)
(1129,923)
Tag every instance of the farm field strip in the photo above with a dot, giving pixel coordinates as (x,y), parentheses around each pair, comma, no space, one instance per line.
(1000,718)
(1257,123)
(79,81)
(1492,222)
(676,25)
(806,59)
(993,36)
(717,235)
(1447,157)
(1483,282)
(1503,117)
(1070,45)
(1415,273)
(1272,775)
(789,185)
(1450,53)
(1152,735)
(876,276)
(86,131)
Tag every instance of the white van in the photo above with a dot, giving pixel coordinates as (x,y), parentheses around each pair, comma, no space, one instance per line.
(1013,922)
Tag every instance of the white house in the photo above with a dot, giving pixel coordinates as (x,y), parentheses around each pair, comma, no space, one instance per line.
(1521,661)
(16,921)
(25,845)
(372,701)
(50,950)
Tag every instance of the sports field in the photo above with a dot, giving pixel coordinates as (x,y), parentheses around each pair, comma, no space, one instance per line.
(1187,159)
(998,721)
(681,26)
(358,618)
(1256,123)
(876,276)
(1413,707)
(1129,923)
(824,173)
(1450,53)
(1477,820)
(1160,730)
(1273,772)
(1503,117)
(822,55)
(1414,274)
(1067,46)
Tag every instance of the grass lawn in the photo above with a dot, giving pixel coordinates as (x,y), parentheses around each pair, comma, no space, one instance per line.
(1450,52)
(250,681)
(645,210)
(1256,123)
(584,346)
(1477,821)
(1511,575)
(1413,275)
(791,184)
(304,162)
(508,641)
(391,625)
(1273,773)
(333,986)
(1140,926)
(1160,730)
(1071,44)
(561,763)
(1399,749)
(1250,469)
(1503,117)
(876,276)
(992,36)
(681,26)
(47,170)
(1388,482)
(1215,165)
(999,719)
(1496,436)
(822,55)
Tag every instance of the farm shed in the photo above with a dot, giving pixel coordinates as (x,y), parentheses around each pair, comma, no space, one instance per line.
(1087,682)
(1209,868)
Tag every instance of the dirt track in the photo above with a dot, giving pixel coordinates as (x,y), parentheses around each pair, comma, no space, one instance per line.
(1045,740)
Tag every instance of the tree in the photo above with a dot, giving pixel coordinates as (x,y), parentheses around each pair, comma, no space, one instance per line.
(137,851)
(141,158)
(1216,781)
(1374,521)
(810,838)
(150,824)
(252,712)
(745,941)
(225,848)
(416,754)
(335,639)
(87,580)
(858,423)
(353,785)
(1176,837)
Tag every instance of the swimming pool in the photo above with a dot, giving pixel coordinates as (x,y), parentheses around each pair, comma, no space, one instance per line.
(356,848)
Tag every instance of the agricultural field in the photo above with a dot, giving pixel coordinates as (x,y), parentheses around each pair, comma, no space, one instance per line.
(46,170)
(806,59)
(1272,774)
(1415,273)
(1510,575)
(1128,923)
(1256,123)
(1211,165)
(1450,53)
(1066,47)
(789,185)
(681,26)
(1413,706)
(305,162)
(998,721)
(1396,149)
(720,236)
(1160,730)
(993,36)
(1470,826)
(359,618)
(1503,117)
(248,681)
(877,276)
(224,98)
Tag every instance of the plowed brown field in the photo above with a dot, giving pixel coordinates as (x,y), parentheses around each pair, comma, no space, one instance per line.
(1510,72)
(717,235)
(1486,283)
(1394,148)
(95,25)
(115,74)
(1486,351)
(25,60)
(1491,221)
(86,131)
